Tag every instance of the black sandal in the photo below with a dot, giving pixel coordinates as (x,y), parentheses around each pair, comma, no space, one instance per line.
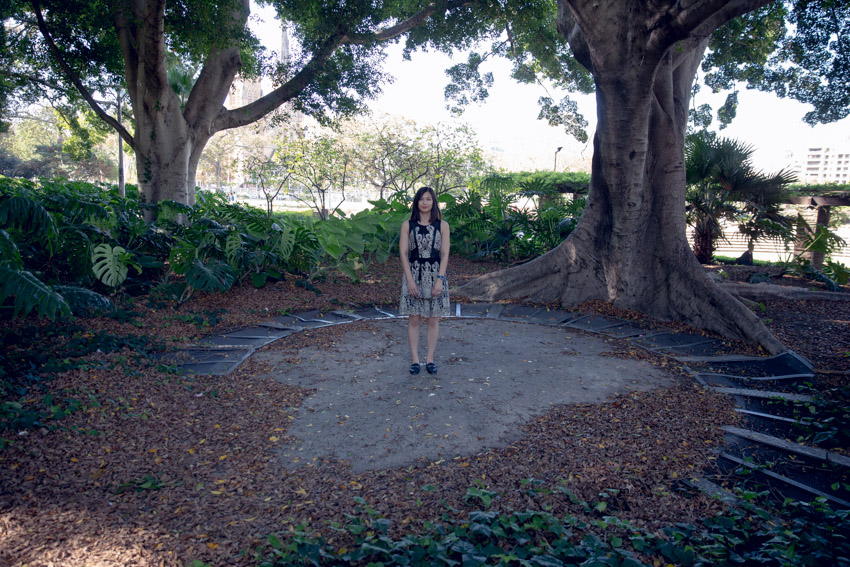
(414,368)
(431,368)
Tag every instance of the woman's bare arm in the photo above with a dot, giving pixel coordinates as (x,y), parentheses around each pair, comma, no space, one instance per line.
(403,245)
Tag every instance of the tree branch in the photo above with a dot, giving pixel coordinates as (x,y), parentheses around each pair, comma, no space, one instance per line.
(212,86)
(33,79)
(126,40)
(214,82)
(261,107)
(75,80)
(701,19)
(151,45)
(568,27)
(405,25)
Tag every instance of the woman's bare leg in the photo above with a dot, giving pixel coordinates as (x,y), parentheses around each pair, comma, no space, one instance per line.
(433,332)
(413,322)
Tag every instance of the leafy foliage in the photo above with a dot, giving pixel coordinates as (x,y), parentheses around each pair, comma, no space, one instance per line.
(30,294)
(805,59)
(215,275)
(85,302)
(807,534)
(819,188)
(487,221)
(109,264)
(723,185)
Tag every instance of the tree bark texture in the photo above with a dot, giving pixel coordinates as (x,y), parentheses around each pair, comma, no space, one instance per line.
(629,248)
(704,243)
(168,140)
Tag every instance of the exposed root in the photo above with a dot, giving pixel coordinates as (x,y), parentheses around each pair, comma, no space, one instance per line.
(685,294)
(537,281)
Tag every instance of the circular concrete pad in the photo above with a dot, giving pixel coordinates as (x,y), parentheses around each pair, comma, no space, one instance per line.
(368,410)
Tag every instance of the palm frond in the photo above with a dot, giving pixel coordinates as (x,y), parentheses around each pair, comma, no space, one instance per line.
(10,256)
(27,215)
(31,294)
(497,182)
(170,211)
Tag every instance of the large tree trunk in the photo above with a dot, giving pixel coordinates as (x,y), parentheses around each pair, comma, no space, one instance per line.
(168,140)
(163,145)
(629,247)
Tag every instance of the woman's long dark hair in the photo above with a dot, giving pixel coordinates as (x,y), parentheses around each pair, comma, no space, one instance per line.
(435,208)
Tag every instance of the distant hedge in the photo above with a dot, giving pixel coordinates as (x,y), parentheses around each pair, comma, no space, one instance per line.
(819,188)
(561,181)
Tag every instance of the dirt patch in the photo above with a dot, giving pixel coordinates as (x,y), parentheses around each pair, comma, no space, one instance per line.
(369,412)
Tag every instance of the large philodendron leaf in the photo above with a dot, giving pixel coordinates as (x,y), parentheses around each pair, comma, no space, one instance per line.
(31,294)
(287,243)
(215,275)
(172,211)
(181,256)
(330,244)
(234,248)
(259,279)
(110,264)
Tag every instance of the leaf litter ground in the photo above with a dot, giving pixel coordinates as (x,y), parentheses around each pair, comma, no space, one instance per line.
(159,469)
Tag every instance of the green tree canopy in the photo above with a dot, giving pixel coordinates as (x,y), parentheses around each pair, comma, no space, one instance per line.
(78,48)
(177,62)
(798,49)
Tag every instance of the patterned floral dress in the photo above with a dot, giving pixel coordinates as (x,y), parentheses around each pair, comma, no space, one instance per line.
(424,256)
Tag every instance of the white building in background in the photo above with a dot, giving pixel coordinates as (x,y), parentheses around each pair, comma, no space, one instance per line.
(296,118)
(824,165)
(243,92)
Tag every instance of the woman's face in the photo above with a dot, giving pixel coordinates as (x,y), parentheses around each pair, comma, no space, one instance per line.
(425,204)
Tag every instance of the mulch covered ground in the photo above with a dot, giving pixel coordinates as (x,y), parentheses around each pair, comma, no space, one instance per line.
(160,469)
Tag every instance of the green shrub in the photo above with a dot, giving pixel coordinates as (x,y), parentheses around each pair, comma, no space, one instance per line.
(790,534)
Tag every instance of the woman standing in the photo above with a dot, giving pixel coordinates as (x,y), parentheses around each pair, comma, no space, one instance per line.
(424,251)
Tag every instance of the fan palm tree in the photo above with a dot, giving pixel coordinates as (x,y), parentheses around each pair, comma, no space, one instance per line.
(724,186)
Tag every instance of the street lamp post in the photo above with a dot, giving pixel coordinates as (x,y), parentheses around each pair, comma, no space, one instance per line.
(555,168)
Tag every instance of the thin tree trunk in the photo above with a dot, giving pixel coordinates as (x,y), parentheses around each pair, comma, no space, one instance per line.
(121,188)
(703,244)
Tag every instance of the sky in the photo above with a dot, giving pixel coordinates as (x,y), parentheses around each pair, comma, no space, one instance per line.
(509,131)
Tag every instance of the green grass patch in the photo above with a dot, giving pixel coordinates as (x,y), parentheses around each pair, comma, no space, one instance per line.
(730,261)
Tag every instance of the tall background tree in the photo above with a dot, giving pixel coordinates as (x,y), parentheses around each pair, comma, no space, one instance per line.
(323,165)
(629,247)
(388,155)
(398,155)
(93,45)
